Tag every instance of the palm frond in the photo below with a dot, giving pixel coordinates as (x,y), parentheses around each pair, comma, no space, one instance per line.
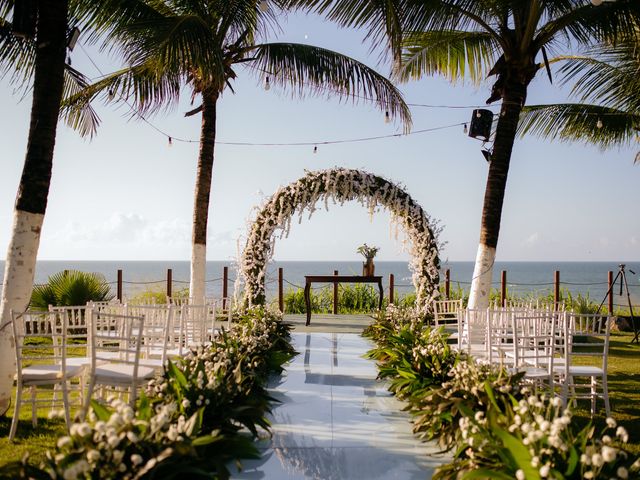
(16,56)
(452,54)
(590,124)
(588,23)
(82,117)
(305,68)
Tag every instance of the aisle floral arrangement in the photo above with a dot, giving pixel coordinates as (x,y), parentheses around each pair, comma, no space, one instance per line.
(495,427)
(205,411)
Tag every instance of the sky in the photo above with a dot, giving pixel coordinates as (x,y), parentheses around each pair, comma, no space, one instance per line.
(127,195)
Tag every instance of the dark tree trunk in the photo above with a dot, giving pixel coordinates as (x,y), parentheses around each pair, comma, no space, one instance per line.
(47,94)
(205,169)
(499,167)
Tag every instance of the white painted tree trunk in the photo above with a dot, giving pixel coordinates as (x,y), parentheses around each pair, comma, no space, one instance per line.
(482,275)
(198,270)
(19,273)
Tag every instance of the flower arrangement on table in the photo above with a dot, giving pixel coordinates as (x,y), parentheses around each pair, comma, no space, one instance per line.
(368,268)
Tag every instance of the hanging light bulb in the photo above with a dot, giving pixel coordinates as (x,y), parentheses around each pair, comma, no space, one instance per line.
(387,118)
(466,129)
(478,114)
(267,85)
(264,6)
(170,141)
(111,95)
(315,149)
(599,123)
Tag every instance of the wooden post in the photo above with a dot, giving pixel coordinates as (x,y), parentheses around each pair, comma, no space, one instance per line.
(503,289)
(169,284)
(391,285)
(281,289)
(335,294)
(610,283)
(225,286)
(447,283)
(556,289)
(119,288)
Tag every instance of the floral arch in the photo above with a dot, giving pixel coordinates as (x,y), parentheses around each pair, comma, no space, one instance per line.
(340,185)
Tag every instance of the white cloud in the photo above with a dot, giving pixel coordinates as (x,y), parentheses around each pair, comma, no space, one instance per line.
(532,240)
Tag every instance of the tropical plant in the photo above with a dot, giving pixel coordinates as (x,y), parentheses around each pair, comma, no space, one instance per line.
(168,44)
(70,287)
(605,82)
(367,251)
(43,69)
(473,39)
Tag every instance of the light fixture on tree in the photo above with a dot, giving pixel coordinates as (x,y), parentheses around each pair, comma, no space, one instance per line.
(264,5)
(387,118)
(599,123)
(267,85)
(111,95)
(73,38)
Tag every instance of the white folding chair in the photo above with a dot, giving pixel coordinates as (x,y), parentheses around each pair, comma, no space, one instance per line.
(588,337)
(472,332)
(41,343)
(115,355)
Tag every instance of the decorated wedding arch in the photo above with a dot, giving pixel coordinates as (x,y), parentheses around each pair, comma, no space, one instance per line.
(339,185)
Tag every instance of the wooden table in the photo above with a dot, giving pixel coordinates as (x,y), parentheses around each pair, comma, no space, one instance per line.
(335,279)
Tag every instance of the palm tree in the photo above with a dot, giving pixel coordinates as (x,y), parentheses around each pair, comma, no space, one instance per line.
(606,83)
(47,22)
(168,44)
(505,39)
(41,23)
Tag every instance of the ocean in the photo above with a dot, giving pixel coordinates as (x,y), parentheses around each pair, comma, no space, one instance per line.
(586,278)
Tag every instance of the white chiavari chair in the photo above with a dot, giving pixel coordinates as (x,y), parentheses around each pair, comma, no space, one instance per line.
(115,355)
(158,325)
(588,338)
(41,345)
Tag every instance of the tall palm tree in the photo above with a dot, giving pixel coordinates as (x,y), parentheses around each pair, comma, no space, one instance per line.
(169,44)
(504,39)
(606,84)
(33,46)
(46,22)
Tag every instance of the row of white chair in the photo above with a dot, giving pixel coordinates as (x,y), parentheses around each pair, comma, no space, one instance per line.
(541,343)
(102,346)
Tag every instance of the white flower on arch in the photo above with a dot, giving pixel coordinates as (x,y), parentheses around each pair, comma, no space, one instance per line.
(340,185)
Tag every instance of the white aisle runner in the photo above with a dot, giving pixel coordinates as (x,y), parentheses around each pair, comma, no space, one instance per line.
(336,422)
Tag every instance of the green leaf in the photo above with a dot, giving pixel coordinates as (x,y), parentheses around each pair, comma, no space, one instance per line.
(100,410)
(486,473)
(519,452)
(176,374)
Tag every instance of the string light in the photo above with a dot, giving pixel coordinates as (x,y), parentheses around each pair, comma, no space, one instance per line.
(315,149)
(111,95)
(466,129)
(387,118)
(599,123)
(264,6)
(267,85)
(170,141)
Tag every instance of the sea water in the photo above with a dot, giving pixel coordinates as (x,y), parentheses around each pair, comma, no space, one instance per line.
(536,278)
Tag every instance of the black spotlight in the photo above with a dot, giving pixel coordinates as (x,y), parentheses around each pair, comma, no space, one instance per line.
(481,124)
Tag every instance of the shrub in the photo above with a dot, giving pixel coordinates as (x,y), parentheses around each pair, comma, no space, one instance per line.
(70,287)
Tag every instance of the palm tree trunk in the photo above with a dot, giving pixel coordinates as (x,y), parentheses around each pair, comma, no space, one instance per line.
(31,200)
(512,103)
(201,200)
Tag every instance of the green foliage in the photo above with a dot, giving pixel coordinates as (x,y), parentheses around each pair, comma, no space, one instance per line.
(366,251)
(356,298)
(156,295)
(70,287)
